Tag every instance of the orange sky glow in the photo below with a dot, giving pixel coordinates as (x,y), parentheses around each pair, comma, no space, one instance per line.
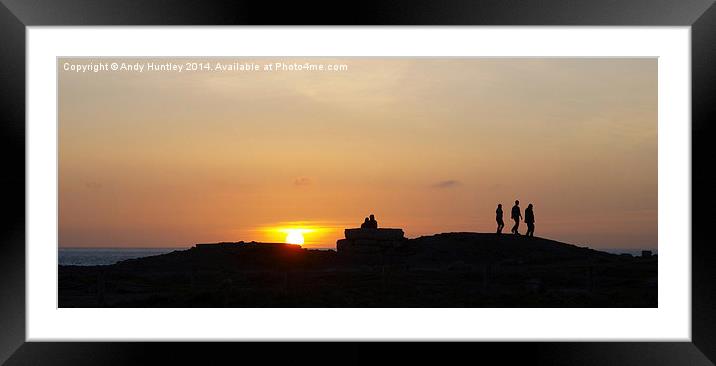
(429,145)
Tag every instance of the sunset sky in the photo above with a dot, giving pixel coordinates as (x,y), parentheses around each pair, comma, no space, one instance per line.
(430,145)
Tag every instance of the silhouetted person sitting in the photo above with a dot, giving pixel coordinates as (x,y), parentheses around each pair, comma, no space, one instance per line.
(372,224)
(365,224)
(498,218)
(516,215)
(530,220)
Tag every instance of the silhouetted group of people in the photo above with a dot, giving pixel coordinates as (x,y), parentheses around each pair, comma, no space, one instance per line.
(517,216)
(369,223)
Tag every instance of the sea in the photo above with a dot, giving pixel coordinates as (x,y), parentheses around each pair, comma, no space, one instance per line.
(107,256)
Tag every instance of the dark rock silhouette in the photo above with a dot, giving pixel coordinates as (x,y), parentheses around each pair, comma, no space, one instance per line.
(443,270)
(368,241)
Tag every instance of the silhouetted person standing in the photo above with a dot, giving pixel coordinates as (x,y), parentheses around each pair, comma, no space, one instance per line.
(498,218)
(372,223)
(530,220)
(516,215)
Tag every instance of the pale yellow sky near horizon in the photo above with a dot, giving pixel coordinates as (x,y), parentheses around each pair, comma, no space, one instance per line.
(429,145)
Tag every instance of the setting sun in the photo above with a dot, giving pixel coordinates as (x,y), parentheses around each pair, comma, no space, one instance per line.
(305,233)
(294,236)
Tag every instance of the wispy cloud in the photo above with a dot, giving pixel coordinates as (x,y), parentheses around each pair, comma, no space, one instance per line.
(302,181)
(497,187)
(93,185)
(451,183)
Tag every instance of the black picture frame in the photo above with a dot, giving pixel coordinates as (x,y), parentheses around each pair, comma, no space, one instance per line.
(16,15)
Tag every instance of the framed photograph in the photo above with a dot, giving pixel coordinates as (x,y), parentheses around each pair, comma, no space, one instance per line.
(514,175)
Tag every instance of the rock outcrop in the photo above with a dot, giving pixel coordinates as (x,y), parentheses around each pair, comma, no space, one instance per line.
(374,268)
(370,241)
